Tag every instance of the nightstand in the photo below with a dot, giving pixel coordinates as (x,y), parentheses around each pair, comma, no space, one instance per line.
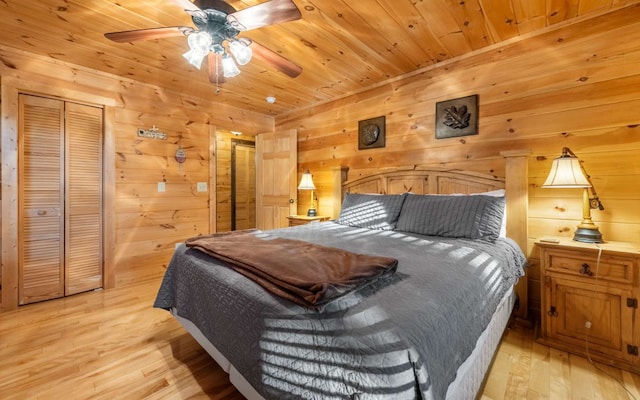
(295,220)
(590,297)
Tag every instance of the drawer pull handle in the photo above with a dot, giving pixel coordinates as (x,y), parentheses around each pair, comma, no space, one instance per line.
(42,212)
(552,312)
(585,270)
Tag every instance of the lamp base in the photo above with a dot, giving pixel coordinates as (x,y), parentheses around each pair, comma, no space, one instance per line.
(585,235)
(312,212)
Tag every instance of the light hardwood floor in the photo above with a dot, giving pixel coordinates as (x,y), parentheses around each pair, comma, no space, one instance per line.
(113,345)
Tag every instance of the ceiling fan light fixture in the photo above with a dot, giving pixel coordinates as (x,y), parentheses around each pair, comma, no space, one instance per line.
(241,51)
(229,68)
(215,36)
(195,57)
(200,41)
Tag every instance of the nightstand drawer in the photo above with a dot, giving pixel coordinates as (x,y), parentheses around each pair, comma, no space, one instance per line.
(611,268)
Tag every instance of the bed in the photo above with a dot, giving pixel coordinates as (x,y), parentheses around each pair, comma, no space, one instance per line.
(428,329)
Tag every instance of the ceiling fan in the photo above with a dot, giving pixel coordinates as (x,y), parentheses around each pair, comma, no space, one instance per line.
(217,23)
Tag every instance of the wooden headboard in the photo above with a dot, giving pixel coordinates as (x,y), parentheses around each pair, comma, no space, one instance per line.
(422,180)
(429,180)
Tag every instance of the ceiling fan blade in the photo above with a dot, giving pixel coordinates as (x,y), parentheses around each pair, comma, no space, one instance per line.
(187,5)
(148,34)
(275,60)
(267,13)
(215,68)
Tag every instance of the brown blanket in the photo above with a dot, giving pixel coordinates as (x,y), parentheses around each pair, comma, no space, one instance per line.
(305,273)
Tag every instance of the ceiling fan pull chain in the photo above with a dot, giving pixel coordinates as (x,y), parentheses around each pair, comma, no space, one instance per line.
(217,76)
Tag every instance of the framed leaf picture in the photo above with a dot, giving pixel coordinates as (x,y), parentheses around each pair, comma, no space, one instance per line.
(457,117)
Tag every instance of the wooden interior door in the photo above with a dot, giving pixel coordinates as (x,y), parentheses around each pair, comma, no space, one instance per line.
(276,190)
(83,195)
(60,198)
(243,184)
(41,199)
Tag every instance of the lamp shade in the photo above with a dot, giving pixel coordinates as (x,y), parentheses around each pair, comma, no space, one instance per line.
(240,51)
(195,57)
(566,172)
(229,68)
(306,183)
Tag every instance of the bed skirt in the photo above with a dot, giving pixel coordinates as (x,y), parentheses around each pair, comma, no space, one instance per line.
(469,378)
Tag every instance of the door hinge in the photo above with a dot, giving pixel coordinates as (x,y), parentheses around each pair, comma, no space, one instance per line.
(633,350)
(632,303)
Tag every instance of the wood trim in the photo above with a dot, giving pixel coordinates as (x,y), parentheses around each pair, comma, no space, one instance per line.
(340,175)
(517,186)
(61,92)
(109,198)
(213,181)
(9,154)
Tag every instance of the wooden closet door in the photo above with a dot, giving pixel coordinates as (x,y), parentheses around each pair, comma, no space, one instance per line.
(83,198)
(41,196)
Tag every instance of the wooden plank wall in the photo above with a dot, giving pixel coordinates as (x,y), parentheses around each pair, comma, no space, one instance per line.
(148,223)
(576,86)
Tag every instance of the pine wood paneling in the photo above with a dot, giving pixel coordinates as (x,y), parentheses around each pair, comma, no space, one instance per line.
(343,46)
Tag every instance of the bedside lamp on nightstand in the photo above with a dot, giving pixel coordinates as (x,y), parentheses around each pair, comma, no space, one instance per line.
(306,183)
(568,172)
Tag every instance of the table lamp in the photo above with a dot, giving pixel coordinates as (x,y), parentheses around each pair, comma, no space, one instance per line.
(567,172)
(306,183)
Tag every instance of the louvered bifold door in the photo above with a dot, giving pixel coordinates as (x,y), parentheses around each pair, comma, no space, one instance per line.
(41,221)
(83,211)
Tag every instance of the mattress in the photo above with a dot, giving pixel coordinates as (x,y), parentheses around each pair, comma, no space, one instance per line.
(405,337)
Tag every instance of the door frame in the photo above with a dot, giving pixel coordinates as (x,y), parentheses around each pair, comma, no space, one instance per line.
(10,89)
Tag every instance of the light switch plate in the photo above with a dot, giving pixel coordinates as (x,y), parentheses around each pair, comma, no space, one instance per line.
(161,187)
(202,186)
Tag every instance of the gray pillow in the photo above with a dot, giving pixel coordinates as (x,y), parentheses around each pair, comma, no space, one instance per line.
(471,217)
(372,211)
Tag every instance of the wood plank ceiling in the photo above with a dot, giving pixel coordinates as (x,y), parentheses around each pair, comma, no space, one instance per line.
(343,46)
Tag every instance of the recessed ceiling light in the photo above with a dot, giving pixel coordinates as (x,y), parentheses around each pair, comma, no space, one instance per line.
(236,133)
(270,99)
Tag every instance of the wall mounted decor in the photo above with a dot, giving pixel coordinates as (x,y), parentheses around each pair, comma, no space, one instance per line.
(152,133)
(371,133)
(457,117)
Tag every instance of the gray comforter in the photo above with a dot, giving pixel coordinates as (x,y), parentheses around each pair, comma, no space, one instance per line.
(401,337)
